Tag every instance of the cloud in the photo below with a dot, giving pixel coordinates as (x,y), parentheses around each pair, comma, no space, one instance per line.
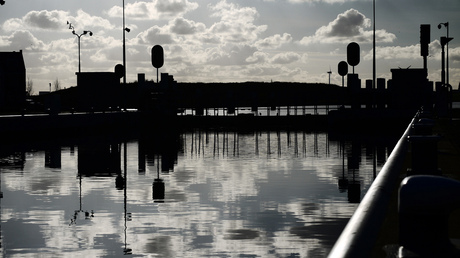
(185,27)
(257,57)
(404,52)
(274,41)
(285,58)
(55,20)
(22,39)
(84,20)
(229,54)
(320,1)
(454,54)
(154,36)
(154,10)
(173,7)
(348,26)
(46,20)
(55,58)
(236,23)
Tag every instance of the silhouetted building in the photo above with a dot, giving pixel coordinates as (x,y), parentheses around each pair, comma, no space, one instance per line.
(409,89)
(12,80)
(98,90)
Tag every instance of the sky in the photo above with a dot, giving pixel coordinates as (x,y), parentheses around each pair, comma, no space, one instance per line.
(227,40)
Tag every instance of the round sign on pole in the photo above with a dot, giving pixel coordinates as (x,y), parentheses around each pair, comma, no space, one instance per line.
(119,70)
(343,68)
(353,54)
(157,56)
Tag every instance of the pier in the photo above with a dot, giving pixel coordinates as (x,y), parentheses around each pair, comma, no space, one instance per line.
(375,228)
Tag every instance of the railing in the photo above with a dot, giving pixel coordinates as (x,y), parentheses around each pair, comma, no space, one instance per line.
(359,236)
(264,111)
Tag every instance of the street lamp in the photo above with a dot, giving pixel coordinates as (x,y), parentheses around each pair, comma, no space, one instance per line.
(125,29)
(446,24)
(79,36)
(124,45)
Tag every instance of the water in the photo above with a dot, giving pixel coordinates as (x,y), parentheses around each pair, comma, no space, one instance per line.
(193,194)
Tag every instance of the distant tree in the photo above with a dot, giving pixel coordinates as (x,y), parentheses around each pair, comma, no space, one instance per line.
(29,87)
(57,85)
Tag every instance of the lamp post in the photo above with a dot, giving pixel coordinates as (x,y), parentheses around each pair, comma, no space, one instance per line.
(124,50)
(124,44)
(79,36)
(446,24)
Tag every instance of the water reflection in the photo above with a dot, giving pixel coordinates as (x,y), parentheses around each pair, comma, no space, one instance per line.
(177,194)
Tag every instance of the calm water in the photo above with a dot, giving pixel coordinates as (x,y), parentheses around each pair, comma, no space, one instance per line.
(194,194)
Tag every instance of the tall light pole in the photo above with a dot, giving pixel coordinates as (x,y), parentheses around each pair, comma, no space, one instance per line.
(444,42)
(124,44)
(79,36)
(446,24)
(374,86)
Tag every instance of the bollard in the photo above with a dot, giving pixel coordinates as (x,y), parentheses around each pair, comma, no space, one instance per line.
(424,155)
(425,203)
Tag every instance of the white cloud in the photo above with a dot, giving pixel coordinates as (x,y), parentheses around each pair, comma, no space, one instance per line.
(320,1)
(84,20)
(236,23)
(12,24)
(454,54)
(285,58)
(55,21)
(257,57)
(274,41)
(55,58)
(406,52)
(348,26)
(46,20)
(22,39)
(154,10)
(184,26)
(230,54)
(261,71)
(154,36)
(395,52)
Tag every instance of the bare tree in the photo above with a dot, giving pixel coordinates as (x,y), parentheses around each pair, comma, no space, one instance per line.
(29,87)
(57,85)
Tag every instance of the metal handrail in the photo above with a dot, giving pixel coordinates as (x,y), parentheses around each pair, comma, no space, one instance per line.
(360,234)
